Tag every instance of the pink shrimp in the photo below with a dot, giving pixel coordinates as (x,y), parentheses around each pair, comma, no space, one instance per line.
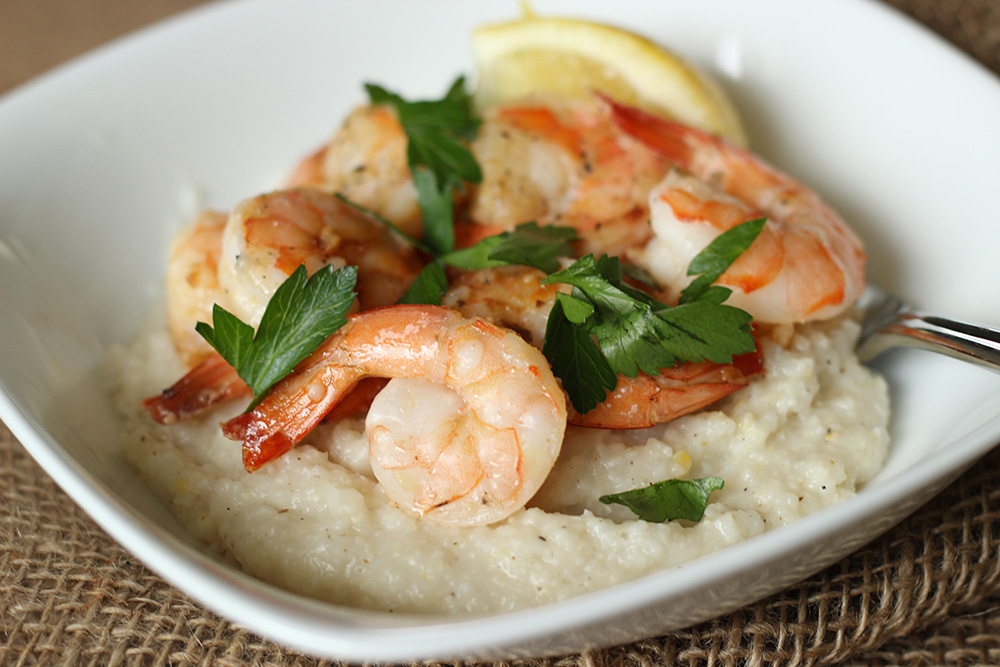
(193,284)
(807,264)
(366,162)
(262,242)
(547,159)
(564,162)
(472,424)
(514,297)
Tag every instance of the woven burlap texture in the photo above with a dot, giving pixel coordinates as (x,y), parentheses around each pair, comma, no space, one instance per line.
(926,593)
(71,596)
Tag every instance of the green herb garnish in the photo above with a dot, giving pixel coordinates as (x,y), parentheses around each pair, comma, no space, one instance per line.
(605,327)
(668,500)
(716,258)
(439,160)
(575,359)
(634,331)
(428,287)
(528,245)
(302,313)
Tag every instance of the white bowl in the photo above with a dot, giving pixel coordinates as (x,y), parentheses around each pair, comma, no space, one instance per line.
(103,159)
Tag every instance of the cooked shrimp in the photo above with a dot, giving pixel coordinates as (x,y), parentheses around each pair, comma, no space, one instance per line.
(264,240)
(514,297)
(237,261)
(509,296)
(267,237)
(807,264)
(193,284)
(563,162)
(647,400)
(545,159)
(366,162)
(210,382)
(487,416)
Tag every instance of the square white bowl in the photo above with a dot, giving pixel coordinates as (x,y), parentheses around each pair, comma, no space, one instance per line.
(103,159)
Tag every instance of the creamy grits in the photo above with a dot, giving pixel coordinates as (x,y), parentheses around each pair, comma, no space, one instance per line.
(802,436)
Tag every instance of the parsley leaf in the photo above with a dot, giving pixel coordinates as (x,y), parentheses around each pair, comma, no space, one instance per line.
(434,128)
(301,314)
(528,244)
(440,162)
(718,256)
(438,159)
(575,358)
(232,337)
(636,332)
(429,286)
(706,330)
(628,330)
(437,209)
(669,500)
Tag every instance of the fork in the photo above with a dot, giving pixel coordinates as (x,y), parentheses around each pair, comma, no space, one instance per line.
(886,322)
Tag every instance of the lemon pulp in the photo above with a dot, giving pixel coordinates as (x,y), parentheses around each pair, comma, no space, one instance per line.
(573,57)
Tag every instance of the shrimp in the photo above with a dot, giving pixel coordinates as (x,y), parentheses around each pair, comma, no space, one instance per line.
(210,382)
(546,159)
(509,296)
(366,161)
(647,400)
(267,237)
(563,162)
(807,264)
(464,433)
(514,297)
(193,284)
(263,241)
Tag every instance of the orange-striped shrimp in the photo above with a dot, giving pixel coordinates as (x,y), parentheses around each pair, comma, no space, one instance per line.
(807,264)
(366,162)
(509,296)
(514,297)
(545,159)
(464,434)
(263,241)
(193,284)
(269,236)
(563,162)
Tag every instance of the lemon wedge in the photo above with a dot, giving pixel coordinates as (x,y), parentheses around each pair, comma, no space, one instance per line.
(574,57)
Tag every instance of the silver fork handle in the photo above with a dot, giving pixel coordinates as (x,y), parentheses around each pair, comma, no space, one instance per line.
(968,342)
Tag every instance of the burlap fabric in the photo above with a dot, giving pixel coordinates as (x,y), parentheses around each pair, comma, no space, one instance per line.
(928,592)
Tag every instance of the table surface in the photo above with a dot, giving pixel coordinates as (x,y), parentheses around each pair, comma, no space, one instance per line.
(927,593)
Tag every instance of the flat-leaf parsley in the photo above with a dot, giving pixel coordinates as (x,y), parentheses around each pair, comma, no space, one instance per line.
(440,162)
(668,500)
(302,313)
(634,331)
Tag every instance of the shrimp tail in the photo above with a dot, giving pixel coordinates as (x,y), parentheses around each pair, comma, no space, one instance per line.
(209,383)
(264,440)
(293,408)
(648,400)
(215,381)
(261,444)
(664,136)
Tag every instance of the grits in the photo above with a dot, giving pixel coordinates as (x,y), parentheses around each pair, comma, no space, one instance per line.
(803,436)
